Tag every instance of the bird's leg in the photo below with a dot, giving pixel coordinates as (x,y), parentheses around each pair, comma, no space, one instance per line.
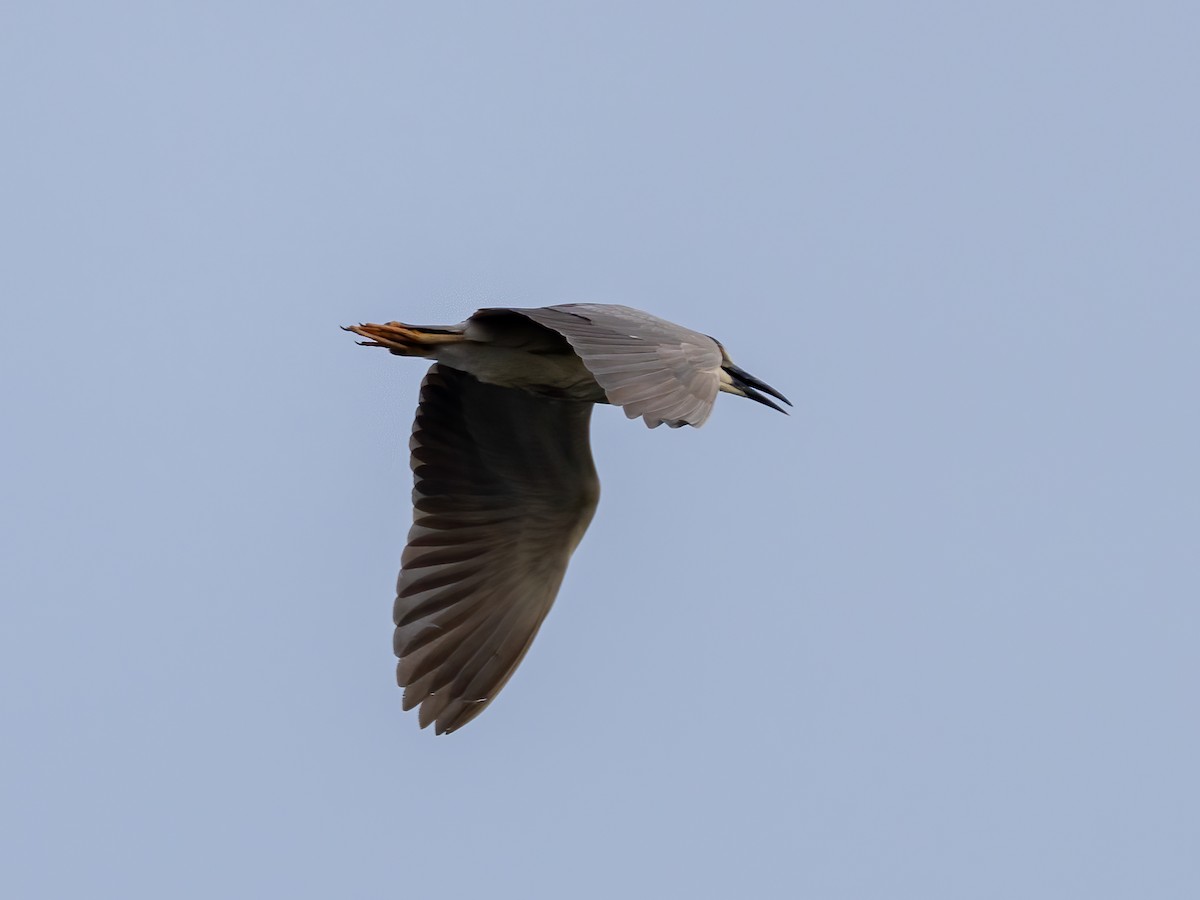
(405,340)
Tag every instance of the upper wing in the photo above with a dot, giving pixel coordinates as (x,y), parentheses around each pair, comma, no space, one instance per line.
(653,368)
(504,490)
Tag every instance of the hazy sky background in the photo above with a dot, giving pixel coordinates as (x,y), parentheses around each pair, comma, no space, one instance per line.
(934,635)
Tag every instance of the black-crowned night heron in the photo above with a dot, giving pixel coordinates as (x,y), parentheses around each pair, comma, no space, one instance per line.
(504,481)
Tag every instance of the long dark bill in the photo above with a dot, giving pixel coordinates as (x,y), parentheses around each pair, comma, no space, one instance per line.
(750,386)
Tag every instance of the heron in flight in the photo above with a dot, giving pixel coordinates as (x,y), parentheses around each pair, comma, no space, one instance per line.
(504,484)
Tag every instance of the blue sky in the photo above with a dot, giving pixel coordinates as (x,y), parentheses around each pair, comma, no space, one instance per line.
(934,635)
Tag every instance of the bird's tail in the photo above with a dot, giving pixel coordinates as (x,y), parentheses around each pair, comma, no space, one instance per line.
(407,340)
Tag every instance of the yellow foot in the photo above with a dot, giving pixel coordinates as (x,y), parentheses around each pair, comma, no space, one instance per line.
(406,340)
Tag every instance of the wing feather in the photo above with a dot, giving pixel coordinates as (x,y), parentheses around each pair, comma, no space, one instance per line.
(504,489)
(650,367)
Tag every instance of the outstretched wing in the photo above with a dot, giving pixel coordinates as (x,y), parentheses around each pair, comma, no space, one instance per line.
(504,489)
(652,368)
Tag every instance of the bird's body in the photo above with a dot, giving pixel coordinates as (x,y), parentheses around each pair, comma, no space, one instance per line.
(509,350)
(504,481)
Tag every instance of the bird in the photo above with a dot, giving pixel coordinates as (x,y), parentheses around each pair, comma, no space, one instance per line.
(504,485)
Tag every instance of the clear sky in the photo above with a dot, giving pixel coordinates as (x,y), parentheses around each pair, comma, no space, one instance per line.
(933,636)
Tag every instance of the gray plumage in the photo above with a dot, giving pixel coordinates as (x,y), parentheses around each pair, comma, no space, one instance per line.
(504,483)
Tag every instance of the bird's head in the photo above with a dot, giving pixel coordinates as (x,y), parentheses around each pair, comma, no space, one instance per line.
(740,382)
